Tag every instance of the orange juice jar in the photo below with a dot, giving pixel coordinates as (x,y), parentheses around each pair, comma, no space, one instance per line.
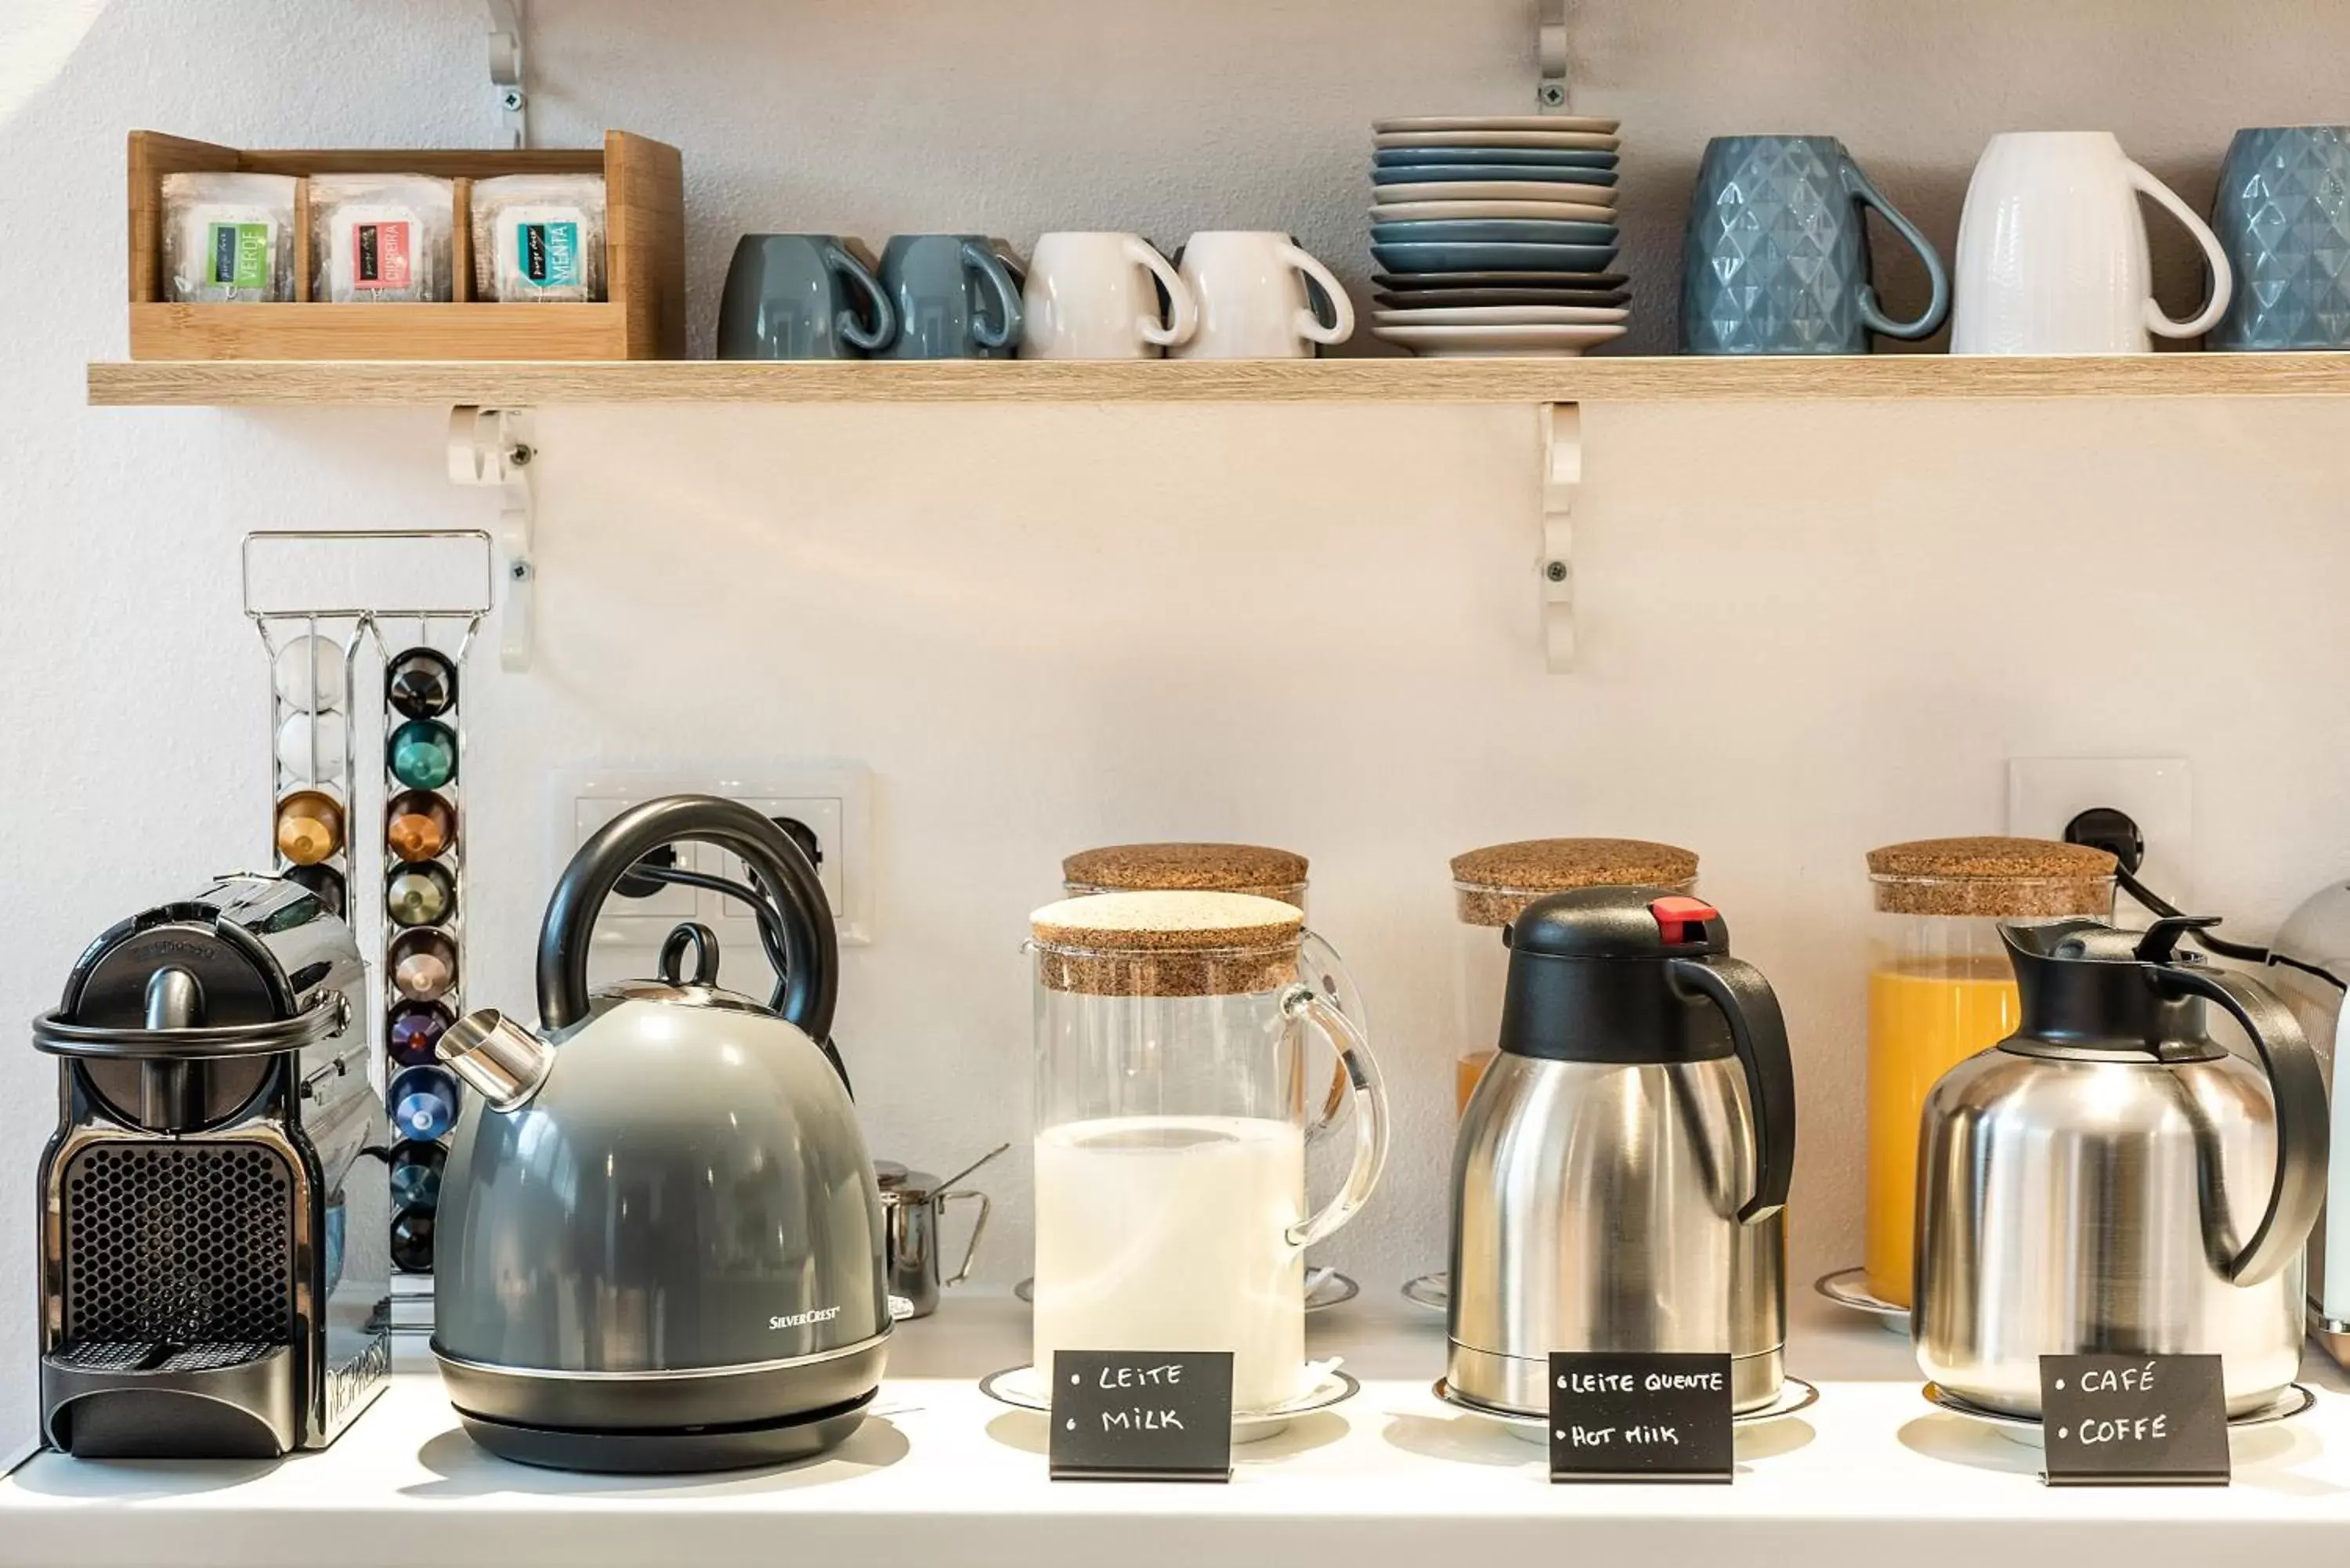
(1939,990)
(1492,885)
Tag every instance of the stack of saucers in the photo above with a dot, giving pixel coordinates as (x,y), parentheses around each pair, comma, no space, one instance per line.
(1494,236)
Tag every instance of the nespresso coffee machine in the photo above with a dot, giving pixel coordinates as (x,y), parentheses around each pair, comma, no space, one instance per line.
(196,1301)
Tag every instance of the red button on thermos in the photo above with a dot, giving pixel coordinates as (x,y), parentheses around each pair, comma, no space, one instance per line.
(1682,919)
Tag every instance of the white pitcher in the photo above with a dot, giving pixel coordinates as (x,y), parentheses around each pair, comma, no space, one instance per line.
(2053,252)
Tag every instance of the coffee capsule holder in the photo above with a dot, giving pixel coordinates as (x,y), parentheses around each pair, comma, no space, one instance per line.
(369,640)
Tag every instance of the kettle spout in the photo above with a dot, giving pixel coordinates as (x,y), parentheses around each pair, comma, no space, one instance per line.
(497,1058)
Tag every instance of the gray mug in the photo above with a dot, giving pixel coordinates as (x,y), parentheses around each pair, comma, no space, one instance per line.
(2283,214)
(795,297)
(955,298)
(1775,256)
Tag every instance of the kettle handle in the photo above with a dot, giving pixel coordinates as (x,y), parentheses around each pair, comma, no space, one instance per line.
(811,946)
(2298,1089)
(1759,1032)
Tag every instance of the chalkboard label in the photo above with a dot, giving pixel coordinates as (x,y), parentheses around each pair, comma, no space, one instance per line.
(2133,1420)
(1122,1415)
(1654,1416)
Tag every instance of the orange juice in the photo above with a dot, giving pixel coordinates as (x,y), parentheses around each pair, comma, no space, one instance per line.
(1467,1072)
(1923,1020)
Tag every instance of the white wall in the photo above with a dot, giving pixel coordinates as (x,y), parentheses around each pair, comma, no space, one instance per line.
(1808,629)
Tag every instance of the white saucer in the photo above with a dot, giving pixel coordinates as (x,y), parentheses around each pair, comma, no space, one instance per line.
(1848,1288)
(1540,212)
(1412,122)
(2025,1429)
(1586,140)
(1501,191)
(1501,316)
(1325,1288)
(1498,342)
(1433,1292)
(1020,1387)
(1795,1394)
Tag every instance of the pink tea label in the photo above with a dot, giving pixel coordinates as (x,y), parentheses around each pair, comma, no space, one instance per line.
(379,256)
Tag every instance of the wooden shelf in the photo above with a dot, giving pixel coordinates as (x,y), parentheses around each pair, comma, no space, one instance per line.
(491,384)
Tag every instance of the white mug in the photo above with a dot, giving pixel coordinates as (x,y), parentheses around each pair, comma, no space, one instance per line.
(1090,296)
(1251,285)
(2052,254)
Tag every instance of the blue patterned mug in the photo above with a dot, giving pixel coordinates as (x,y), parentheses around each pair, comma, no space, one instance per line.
(1775,258)
(2283,214)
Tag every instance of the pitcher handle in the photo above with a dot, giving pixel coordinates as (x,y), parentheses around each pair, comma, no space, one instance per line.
(1309,326)
(1331,976)
(2298,1087)
(1370,1099)
(978,1228)
(1758,1031)
(2224,277)
(1863,191)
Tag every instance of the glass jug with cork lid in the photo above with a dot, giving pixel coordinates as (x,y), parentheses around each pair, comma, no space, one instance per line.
(1939,990)
(1492,885)
(1170,1178)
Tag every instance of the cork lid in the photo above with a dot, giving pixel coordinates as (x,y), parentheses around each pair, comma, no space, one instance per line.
(1492,885)
(1162,943)
(2005,878)
(1207,868)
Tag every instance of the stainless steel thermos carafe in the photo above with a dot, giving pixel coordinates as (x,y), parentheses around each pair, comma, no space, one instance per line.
(2110,1178)
(1621,1172)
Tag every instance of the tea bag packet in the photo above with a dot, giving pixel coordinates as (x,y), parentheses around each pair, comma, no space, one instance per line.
(378,237)
(228,238)
(540,238)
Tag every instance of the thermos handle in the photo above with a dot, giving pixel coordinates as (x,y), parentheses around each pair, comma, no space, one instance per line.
(1370,1097)
(1759,1032)
(2298,1087)
(811,946)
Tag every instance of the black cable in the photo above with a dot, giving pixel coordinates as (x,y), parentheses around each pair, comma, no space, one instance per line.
(2201,936)
(771,937)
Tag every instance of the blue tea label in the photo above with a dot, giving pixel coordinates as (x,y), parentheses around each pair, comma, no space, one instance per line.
(548,255)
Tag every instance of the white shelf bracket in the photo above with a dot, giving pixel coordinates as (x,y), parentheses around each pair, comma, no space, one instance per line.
(1550,50)
(506,70)
(1562,476)
(492,448)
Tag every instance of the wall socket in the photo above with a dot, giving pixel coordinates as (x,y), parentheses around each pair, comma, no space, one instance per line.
(2043,794)
(831,801)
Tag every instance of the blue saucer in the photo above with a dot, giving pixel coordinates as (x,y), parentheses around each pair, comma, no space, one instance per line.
(1491,230)
(1461,256)
(1540,157)
(1454,174)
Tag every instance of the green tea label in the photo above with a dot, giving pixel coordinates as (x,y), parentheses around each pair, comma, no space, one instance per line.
(548,255)
(241,254)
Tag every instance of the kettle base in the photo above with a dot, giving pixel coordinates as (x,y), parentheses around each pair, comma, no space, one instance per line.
(687,1450)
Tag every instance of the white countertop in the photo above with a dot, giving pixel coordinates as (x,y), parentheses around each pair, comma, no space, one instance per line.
(1869,1476)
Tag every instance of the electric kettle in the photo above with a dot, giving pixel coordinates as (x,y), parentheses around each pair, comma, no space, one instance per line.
(1620,1175)
(661,1242)
(2108,1178)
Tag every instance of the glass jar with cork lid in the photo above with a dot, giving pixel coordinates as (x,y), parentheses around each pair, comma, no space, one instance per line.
(1939,990)
(1492,885)
(1170,1178)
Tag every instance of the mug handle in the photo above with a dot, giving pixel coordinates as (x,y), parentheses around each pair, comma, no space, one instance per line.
(978,258)
(1186,309)
(978,1228)
(1342,309)
(1865,191)
(1370,1098)
(2224,277)
(855,333)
